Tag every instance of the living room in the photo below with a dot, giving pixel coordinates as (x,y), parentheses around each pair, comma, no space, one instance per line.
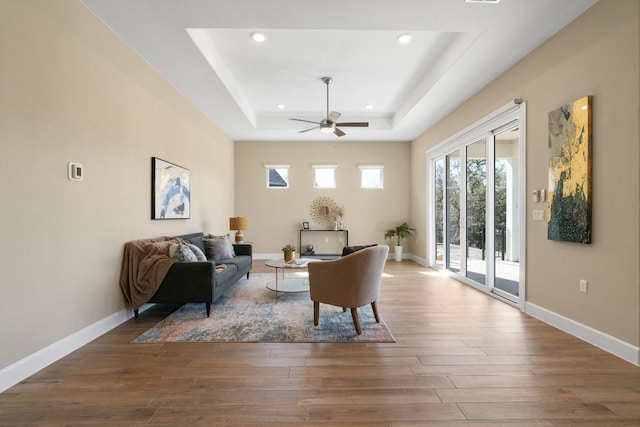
(73,91)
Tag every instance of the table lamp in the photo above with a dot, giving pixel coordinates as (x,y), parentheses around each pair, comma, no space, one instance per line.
(239,223)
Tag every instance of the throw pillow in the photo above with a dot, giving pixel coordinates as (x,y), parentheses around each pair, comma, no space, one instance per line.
(182,253)
(200,256)
(351,249)
(227,237)
(218,247)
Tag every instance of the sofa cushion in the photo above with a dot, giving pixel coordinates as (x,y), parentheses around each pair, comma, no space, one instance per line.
(351,249)
(243,262)
(218,247)
(222,276)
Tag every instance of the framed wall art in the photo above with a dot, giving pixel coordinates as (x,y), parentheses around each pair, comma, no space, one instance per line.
(170,190)
(569,191)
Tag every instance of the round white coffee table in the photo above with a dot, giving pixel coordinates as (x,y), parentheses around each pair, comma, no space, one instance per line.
(287,284)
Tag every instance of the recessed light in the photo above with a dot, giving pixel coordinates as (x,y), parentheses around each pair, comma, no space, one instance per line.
(404,38)
(369,107)
(258,36)
(280,106)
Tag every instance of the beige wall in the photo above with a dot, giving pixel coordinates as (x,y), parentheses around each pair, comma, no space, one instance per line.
(70,90)
(276,215)
(598,55)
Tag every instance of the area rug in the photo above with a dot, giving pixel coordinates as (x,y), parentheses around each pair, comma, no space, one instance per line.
(249,312)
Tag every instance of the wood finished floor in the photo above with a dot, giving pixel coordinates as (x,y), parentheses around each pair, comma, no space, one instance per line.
(461,359)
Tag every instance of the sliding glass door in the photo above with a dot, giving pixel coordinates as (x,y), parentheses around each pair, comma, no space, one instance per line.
(439,213)
(475,209)
(452,223)
(507,213)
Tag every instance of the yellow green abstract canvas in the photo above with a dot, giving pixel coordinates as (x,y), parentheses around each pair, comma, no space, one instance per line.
(569,201)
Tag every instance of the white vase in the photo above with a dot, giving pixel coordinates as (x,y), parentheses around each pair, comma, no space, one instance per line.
(398,253)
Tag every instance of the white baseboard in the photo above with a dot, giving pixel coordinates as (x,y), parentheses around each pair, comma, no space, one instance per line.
(265,256)
(608,343)
(24,368)
(261,257)
(417,259)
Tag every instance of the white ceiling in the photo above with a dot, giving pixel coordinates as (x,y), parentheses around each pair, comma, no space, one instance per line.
(204,49)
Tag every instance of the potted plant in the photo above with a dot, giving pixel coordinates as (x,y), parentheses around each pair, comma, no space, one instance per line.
(289,252)
(402,231)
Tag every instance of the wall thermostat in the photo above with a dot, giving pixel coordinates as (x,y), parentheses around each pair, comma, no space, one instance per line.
(75,171)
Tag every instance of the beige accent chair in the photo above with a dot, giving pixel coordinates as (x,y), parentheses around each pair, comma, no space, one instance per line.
(351,281)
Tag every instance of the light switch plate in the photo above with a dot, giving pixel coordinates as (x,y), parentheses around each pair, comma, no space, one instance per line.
(584,286)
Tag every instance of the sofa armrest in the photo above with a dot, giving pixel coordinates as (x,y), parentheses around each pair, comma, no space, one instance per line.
(188,282)
(243,249)
(192,270)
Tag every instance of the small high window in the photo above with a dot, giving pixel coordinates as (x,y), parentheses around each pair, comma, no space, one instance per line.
(277,176)
(324,176)
(371,176)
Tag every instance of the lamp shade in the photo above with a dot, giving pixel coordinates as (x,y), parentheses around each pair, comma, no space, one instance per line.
(239,223)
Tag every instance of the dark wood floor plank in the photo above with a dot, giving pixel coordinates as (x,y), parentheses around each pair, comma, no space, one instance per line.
(364,397)
(386,412)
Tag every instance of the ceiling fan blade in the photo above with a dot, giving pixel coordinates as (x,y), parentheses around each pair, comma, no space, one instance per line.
(307,130)
(333,116)
(306,121)
(354,124)
(338,132)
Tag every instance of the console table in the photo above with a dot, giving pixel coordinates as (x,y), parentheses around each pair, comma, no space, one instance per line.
(327,244)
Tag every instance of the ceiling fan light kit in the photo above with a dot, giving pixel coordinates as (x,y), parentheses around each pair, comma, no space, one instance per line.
(326,129)
(330,123)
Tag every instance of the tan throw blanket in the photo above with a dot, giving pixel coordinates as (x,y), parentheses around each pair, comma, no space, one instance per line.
(144,265)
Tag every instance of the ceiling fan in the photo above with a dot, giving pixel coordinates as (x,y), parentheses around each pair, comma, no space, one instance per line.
(330,124)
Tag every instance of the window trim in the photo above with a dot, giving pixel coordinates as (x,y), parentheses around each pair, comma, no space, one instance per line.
(376,167)
(331,167)
(268,167)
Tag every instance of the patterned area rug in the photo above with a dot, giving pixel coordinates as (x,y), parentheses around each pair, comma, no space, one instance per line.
(249,312)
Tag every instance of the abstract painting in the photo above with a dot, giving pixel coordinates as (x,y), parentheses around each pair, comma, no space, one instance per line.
(569,190)
(170,193)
